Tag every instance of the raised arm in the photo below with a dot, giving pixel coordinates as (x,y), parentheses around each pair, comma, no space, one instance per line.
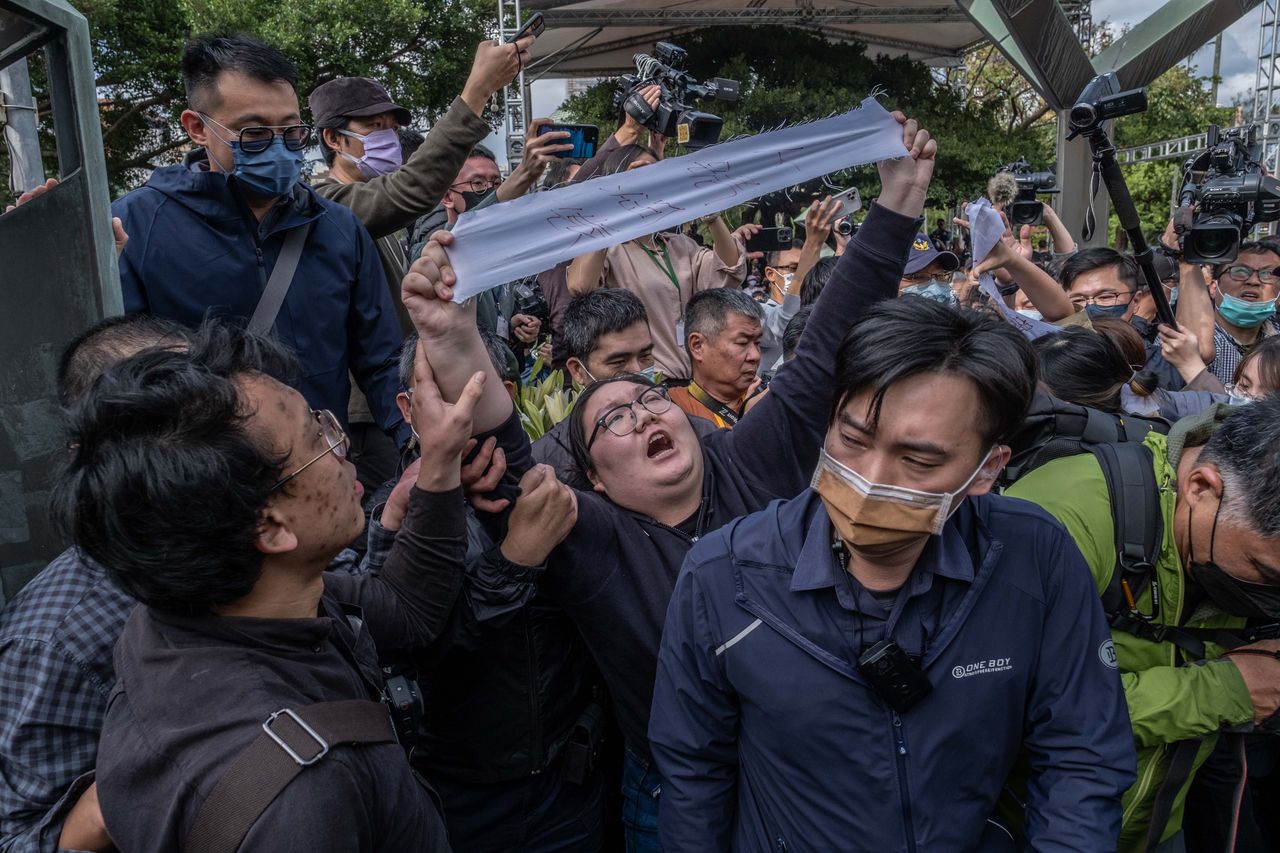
(1044,292)
(583,273)
(387,203)
(792,417)
(407,604)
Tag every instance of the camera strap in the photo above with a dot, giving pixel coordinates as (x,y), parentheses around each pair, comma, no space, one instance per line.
(723,412)
(1090,219)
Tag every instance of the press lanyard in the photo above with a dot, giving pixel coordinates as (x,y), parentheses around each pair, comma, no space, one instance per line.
(725,415)
(668,268)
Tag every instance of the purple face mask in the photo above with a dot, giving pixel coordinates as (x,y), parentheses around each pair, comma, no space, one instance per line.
(382,153)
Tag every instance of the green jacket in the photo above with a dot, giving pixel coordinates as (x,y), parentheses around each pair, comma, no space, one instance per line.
(1170,699)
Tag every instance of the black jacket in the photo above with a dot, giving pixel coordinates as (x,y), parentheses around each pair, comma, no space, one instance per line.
(192,692)
(615,572)
(508,677)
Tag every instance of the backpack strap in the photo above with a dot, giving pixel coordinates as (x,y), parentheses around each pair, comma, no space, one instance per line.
(1129,471)
(1139,530)
(290,741)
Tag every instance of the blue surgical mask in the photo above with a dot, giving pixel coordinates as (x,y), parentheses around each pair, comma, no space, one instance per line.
(1031,313)
(1105,312)
(263,174)
(650,372)
(1245,314)
(936,291)
(1239,399)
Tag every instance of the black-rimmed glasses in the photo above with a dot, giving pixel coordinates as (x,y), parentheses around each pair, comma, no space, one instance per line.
(477,184)
(335,439)
(257,138)
(621,419)
(1243,273)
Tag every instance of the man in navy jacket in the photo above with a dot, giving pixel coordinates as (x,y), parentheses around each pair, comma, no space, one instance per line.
(205,235)
(775,725)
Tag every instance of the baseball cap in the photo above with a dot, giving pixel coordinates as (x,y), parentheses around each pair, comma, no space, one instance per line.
(352,97)
(923,254)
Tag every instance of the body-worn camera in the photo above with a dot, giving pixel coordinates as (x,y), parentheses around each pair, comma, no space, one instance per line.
(1230,196)
(1025,209)
(894,676)
(673,117)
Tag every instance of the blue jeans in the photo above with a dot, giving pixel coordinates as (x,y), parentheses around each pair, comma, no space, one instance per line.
(641,788)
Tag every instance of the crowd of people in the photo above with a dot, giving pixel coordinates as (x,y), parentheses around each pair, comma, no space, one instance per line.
(829,554)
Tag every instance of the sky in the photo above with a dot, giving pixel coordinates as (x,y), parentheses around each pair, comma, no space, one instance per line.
(1239,43)
(1239,57)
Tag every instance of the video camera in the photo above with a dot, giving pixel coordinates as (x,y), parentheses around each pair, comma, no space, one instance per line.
(1025,209)
(1230,198)
(673,117)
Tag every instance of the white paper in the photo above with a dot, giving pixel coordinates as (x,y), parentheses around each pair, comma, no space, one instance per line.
(986,228)
(503,242)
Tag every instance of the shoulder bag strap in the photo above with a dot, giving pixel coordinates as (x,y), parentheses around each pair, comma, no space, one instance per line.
(290,741)
(264,316)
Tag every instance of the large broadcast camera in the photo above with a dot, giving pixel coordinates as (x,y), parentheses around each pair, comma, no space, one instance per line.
(1025,209)
(673,116)
(1231,196)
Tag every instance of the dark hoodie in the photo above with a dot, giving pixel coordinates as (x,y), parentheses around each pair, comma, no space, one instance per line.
(195,250)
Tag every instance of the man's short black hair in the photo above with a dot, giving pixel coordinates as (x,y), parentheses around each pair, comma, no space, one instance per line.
(167,481)
(1245,447)
(902,338)
(708,311)
(1088,260)
(593,315)
(326,150)
(108,341)
(795,328)
(771,259)
(482,151)
(1266,244)
(816,279)
(558,170)
(206,56)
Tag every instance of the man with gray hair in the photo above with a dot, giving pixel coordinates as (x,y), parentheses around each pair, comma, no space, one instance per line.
(1191,668)
(722,330)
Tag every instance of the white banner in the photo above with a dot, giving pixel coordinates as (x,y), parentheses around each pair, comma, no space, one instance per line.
(503,242)
(986,228)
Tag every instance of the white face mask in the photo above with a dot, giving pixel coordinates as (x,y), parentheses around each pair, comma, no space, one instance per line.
(1032,313)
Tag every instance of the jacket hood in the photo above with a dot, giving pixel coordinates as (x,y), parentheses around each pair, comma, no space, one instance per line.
(213,196)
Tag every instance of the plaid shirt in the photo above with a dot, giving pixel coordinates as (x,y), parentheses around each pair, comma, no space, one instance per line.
(1228,353)
(56,641)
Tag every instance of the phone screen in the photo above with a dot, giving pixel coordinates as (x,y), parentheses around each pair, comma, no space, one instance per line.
(581,136)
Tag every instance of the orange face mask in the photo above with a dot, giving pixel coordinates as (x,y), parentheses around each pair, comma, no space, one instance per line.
(868,514)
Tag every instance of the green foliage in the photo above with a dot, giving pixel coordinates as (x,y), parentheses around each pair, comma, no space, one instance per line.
(421,50)
(792,75)
(544,403)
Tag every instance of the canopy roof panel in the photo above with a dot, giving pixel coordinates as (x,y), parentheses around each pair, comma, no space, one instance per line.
(598,37)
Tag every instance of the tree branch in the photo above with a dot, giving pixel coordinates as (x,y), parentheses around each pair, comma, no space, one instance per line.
(136,108)
(1034,117)
(145,159)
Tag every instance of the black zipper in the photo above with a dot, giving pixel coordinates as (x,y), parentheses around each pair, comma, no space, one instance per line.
(900,753)
(535,720)
(262,268)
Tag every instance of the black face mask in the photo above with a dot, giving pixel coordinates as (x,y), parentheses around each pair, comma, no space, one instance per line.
(471,199)
(1229,593)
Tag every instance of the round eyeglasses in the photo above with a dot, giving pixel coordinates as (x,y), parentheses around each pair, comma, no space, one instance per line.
(335,438)
(257,138)
(621,419)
